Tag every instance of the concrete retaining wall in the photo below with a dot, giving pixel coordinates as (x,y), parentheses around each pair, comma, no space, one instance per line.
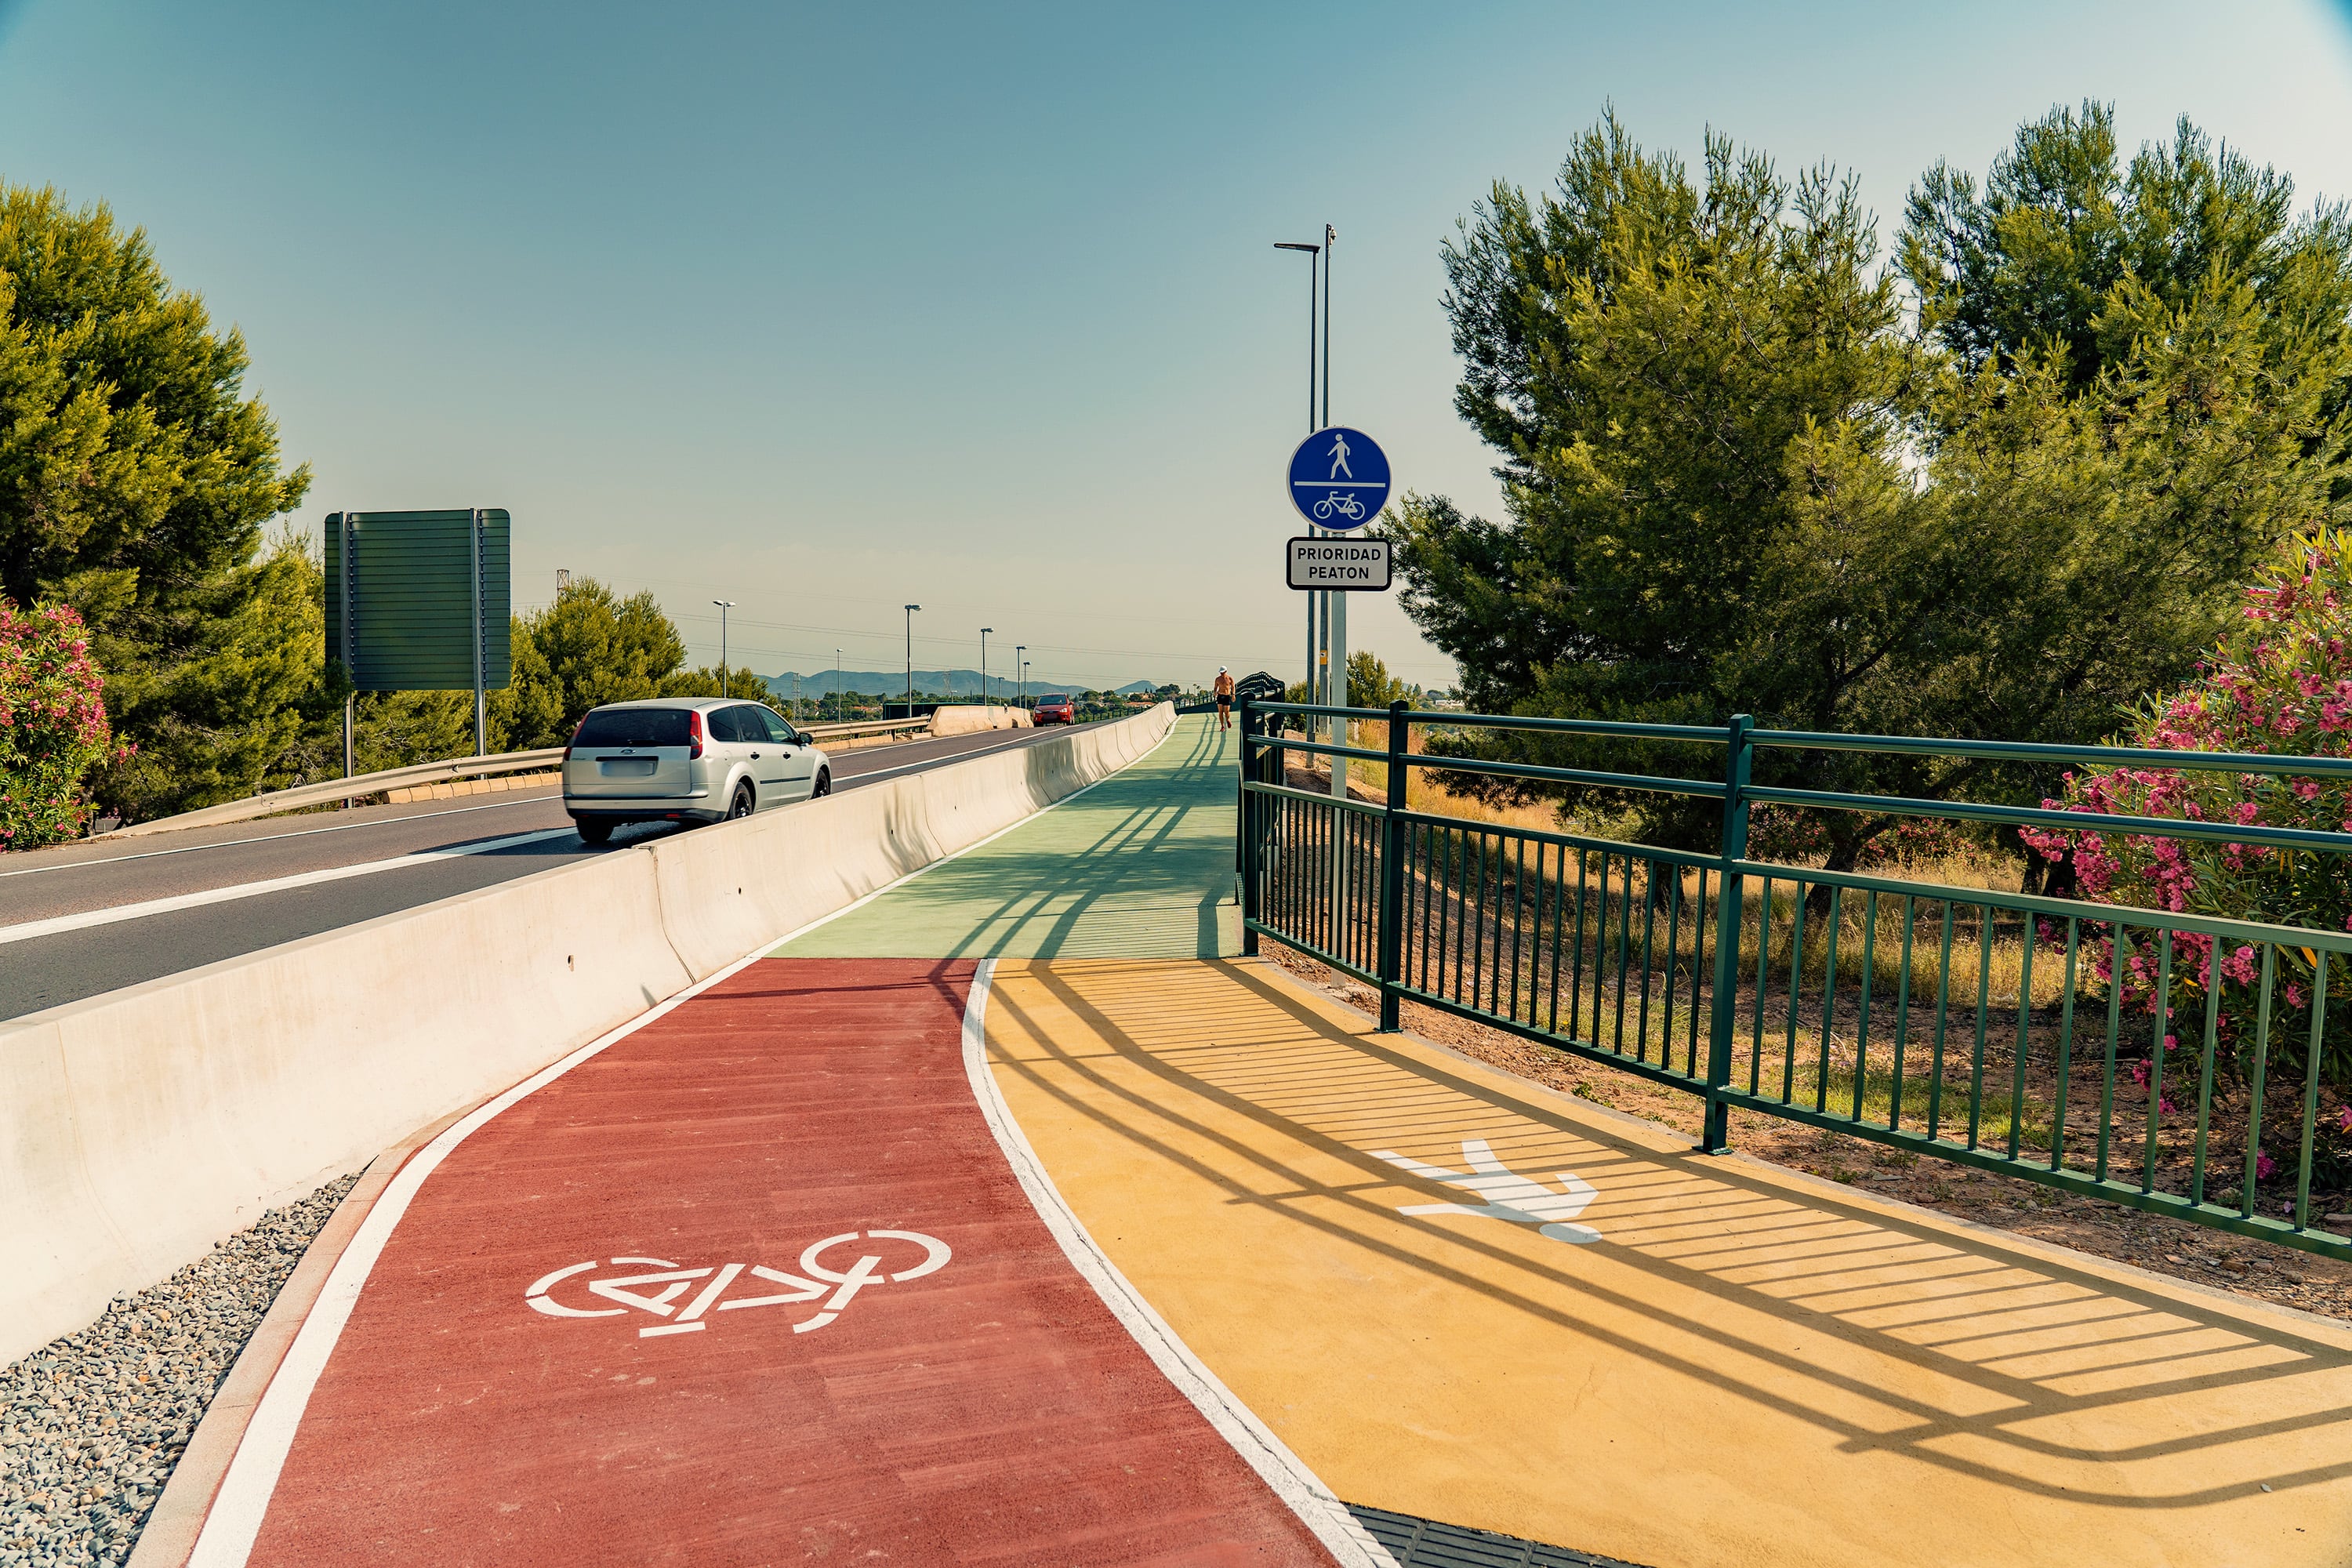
(139,1127)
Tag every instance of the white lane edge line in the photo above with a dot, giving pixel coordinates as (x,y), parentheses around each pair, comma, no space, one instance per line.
(520,799)
(235,1520)
(970,754)
(1284,1472)
(232,1523)
(27,931)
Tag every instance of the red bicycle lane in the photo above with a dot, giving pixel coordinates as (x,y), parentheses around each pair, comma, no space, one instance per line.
(754,1284)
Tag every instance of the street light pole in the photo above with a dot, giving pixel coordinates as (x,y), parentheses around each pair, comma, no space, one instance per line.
(1020,673)
(1338,679)
(724,606)
(911,658)
(1314,596)
(836,683)
(984,667)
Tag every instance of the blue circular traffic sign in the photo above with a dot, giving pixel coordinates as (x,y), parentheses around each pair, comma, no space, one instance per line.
(1338,479)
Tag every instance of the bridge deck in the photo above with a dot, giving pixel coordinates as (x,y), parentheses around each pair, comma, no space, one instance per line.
(763,1282)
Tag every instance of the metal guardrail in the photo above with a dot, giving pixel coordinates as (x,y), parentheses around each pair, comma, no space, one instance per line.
(858,729)
(1968,1025)
(321,794)
(330,790)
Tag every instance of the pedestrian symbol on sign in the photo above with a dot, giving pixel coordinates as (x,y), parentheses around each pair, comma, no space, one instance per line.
(1338,479)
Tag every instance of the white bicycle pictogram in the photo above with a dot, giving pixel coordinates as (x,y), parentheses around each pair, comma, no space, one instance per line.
(1520,1199)
(658,1292)
(1347,506)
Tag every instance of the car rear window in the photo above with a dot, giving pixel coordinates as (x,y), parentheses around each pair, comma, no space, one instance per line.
(634,727)
(1052,699)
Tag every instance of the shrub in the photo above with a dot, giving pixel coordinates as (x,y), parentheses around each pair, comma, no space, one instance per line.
(53,728)
(2281,683)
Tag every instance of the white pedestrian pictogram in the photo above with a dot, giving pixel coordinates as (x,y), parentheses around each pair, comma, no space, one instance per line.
(1522,1200)
(1340,456)
(657,1291)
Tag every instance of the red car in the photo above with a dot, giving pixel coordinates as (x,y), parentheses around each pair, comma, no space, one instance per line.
(1055,707)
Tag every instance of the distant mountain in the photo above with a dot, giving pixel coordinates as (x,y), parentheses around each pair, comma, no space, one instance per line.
(938,682)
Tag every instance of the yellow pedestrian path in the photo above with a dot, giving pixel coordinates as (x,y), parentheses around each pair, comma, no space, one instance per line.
(1748,1366)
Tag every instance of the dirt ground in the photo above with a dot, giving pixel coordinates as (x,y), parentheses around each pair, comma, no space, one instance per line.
(2160,1245)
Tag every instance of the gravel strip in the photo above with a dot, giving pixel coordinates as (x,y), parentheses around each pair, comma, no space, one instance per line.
(91,1424)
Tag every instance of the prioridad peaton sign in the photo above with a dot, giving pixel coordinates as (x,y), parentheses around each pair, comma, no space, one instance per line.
(1346,565)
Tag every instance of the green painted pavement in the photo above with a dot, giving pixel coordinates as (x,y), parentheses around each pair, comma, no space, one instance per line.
(1140,866)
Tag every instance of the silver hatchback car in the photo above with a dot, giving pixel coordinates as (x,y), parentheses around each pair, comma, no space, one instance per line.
(699,759)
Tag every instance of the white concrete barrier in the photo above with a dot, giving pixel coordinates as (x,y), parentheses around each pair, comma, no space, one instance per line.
(139,1127)
(970,719)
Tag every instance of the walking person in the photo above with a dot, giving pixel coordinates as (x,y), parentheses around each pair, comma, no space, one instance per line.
(1224,690)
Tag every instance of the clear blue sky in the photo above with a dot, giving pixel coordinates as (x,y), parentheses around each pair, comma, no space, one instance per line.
(826,308)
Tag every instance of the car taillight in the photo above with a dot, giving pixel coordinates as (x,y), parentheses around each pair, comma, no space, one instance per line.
(575,738)
(694,732)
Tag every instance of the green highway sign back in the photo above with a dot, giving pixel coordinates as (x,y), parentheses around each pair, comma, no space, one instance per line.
(418,601)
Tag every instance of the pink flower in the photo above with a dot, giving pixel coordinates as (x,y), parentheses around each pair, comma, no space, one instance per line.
(2264,1167)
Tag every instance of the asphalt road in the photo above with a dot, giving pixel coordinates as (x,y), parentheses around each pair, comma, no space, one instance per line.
(438,848)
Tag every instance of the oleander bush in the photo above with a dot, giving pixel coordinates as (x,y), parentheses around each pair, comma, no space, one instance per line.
(53,727)
(2281,683)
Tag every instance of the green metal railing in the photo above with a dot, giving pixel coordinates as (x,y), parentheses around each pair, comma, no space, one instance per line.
(1968,1025)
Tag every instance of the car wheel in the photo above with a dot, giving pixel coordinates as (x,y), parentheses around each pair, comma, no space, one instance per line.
(743,805)
(593,831)
(824,785)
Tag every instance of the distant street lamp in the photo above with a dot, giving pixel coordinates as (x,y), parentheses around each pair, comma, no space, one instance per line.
(836,683)
(724,606)
(1021,672)
(911,658)
(983,663)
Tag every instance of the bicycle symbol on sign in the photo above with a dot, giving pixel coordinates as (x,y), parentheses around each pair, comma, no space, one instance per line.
(658,1292)
(1345,506)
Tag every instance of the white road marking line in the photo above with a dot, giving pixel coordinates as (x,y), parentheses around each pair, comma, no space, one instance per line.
(235,1521)
(1284,1472)
(27,930)
(952,756)
(556,793)
(274,838)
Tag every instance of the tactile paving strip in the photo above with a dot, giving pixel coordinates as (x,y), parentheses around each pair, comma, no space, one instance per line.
(1425,1543)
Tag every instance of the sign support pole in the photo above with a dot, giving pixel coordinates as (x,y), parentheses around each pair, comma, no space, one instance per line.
(351,640)
(1334,677)
(482,726)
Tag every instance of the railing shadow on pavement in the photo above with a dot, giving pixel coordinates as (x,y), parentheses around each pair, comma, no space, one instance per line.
(1782,1256)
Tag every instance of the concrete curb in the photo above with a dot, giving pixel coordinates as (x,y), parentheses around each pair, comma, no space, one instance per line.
(169,1536)
(138,1127)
